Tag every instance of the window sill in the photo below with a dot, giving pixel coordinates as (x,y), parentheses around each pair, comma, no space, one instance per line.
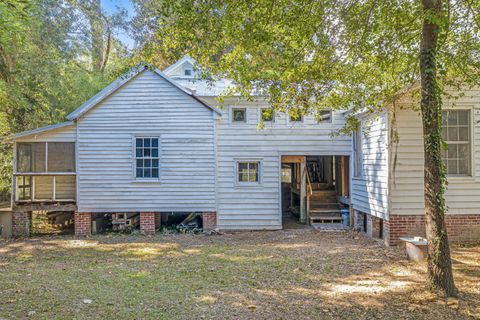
(459,179)
(248,185)
(146,181)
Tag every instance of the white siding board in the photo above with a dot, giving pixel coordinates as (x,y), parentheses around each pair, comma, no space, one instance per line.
(148,106)
(253,208)
(370,190)
(406,185)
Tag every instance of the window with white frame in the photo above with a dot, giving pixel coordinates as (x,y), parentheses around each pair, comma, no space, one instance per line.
(324,116)
(456,129)
(188,72)
(239,115)
(248,171)
(147,157)
(358,154)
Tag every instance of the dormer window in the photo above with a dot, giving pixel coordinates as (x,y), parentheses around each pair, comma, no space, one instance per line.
(188,72)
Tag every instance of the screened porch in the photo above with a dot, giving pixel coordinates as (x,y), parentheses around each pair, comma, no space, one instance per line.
(44,172)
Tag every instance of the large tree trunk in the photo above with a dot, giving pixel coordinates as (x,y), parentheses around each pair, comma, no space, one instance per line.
(440,277)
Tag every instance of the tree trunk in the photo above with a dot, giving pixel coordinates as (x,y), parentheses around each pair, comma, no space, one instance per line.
(97,32)
(440,276)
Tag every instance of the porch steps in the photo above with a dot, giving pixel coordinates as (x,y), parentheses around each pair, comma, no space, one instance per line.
(324,196)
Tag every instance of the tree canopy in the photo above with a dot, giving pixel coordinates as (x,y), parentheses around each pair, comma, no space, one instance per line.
(49,65)
(320,54)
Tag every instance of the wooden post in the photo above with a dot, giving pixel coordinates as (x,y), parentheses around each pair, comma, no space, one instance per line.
(303,192)
(343,176)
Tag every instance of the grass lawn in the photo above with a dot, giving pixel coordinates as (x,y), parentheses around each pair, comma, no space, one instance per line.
(292,274)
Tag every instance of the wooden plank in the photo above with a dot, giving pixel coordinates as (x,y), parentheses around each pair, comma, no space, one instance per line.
(303,193)
(293,159)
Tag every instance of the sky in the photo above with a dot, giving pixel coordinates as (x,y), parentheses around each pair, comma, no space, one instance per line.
(111,6)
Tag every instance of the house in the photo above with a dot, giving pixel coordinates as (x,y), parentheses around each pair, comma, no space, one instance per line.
(387,175)
(153,143)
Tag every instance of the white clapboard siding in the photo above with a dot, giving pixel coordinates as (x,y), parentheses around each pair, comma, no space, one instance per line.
(370,189)
(406,182)
(62,134)
(147,105)
(258,207)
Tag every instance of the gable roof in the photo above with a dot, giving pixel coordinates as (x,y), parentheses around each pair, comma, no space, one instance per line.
(179,63)
(43,129)
(122,80)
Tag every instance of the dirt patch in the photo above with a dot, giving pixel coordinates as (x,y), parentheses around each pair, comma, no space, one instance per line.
(293,274)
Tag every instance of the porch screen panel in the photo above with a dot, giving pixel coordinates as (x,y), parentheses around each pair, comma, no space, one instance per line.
(65,188)
(24,187)
(43,186)
(61,157)
(31,157)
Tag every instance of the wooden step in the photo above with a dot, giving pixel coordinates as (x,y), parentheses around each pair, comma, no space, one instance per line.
(325,196)
(316,211)
(323,205)
(325,219)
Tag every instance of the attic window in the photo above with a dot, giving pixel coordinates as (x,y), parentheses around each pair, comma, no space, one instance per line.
(268,115)
(239,115)
(324,116)
(188,72)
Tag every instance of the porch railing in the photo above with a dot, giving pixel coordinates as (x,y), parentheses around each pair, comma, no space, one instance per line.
(43,187)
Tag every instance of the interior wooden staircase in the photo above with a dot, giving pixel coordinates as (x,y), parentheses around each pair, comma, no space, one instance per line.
(323,207)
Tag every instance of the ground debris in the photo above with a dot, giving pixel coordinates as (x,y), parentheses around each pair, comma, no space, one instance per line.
(290,274)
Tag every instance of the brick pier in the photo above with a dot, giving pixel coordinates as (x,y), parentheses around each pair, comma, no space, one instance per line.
(147,222)
(209,220)
(83,223)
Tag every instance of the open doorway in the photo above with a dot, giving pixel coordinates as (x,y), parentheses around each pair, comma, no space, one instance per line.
(315,189)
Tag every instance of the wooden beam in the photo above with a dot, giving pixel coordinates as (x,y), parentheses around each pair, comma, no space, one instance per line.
(45,206)
(293,159)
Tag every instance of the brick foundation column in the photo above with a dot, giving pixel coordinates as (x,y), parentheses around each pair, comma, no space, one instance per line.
(209,220)
(158,220)
(83,223)
(147,222)
(20,224)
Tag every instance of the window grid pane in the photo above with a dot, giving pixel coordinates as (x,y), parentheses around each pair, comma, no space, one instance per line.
(147,158)
(248,172)
(456,133)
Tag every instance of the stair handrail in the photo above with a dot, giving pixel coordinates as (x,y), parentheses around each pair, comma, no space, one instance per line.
(309,183)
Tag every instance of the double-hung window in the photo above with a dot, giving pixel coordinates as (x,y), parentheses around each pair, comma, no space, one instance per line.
(456,129)
(147,158)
